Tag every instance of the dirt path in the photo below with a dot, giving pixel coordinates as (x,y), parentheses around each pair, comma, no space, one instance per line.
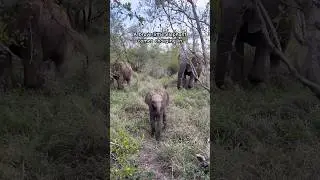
(148,160)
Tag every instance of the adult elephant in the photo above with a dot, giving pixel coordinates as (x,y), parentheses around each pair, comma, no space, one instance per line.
(186,69)
(239,23)
(42,31)
(121,72)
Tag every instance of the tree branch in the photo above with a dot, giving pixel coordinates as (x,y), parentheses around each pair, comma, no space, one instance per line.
(268,19)
(313,86)
(189,17)
(196,75)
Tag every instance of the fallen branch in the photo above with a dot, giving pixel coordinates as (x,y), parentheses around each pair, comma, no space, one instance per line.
(313,86)
(268,19)
(2,46)
(302,25)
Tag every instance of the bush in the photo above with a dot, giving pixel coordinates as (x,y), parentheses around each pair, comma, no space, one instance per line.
(123,146)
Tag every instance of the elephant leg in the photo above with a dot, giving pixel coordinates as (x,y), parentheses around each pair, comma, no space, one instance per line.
(164,119)
(261,65)
(224,46)
(128,80)
(191,81)
(59,56)
(230,20)
(238,62)
(185,81)
(59,63)
(157,127)
(274,63)
(152,124)
(30,74)
(31,62)
(120,82)
(120,85)
(181,74)
(5,69)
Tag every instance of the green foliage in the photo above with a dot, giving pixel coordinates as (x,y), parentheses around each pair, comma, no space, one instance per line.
(47,135)
(125,8)
(123,146)
(153,61)
(173,66)
(58,131)
(175,153)
(4,37)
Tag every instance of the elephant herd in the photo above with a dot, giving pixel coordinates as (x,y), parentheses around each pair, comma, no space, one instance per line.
(41,32)
(158,99)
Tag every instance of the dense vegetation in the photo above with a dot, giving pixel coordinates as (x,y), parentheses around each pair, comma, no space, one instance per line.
(58,132)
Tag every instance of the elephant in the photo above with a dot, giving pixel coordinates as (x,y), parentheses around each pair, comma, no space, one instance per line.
(239,23)
(158,101)
(185,69)
(121,71)
(42,32)
(6,57)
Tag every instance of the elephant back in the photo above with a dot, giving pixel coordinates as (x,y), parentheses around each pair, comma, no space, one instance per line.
(120,68)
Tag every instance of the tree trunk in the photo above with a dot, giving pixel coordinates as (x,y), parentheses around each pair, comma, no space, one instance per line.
(193,39)
(199,30)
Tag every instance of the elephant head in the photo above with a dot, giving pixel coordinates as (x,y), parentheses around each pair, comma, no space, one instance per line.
(157,100)
(121,72)
(238,23)
(156,105)
(42,32)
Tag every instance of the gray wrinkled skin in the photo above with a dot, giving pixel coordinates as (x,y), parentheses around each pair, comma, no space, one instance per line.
(239,24)
(5,68)
(312,60)
(122,72)
(185,69)
(158,101)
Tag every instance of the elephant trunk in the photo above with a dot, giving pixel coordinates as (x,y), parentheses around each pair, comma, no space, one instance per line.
(158,111)
(222,61)
(183,66)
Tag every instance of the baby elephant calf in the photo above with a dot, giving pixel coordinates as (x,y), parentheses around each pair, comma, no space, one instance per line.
(157,100)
